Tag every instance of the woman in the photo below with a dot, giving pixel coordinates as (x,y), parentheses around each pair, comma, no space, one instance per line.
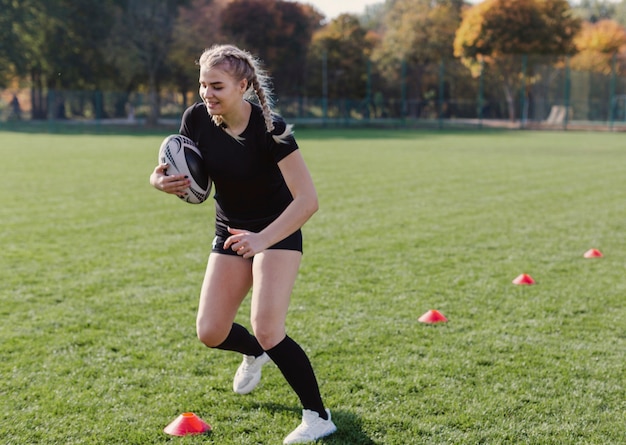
(263,195)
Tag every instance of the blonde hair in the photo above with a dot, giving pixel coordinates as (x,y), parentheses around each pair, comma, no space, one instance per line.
(240,64)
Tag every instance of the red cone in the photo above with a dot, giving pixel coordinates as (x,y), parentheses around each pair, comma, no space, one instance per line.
(432,316)
(187,423)
(593,253)
(524,279)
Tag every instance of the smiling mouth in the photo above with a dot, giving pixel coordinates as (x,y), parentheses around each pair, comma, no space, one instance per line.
(211,105)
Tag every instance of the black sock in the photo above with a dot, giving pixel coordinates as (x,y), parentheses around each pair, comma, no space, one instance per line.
(240,340)
(296,367)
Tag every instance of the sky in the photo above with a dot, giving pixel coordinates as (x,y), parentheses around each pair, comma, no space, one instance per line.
(332,8)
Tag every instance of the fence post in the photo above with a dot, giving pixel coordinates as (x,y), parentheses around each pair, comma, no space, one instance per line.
(441,91)
(99,106)
(50,118)
(403,84)
(612,99)
(523,91)
(481,93)
(368,93)
(566,93)
(324,86)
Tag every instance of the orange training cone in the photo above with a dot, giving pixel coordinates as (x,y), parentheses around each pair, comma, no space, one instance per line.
(524,279)
(593,253)
(187,423)
(432,316)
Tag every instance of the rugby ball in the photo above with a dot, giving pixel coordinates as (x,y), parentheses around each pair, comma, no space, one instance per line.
(184,158)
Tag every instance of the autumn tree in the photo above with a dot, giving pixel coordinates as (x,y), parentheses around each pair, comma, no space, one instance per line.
(620,13)
(594,10)
(276,31)
(497,32)
(197,27)
(343,46)
(373,17)
(597,43)
(419,33)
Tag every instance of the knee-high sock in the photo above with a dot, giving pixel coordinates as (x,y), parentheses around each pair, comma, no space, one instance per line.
(296,367)
(240,340)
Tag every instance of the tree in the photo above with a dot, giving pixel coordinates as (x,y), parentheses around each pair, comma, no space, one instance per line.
(597,43)
(420,34)
(594,10)
(197,27)
(496,31)
(276,31)
(11,48)
(620,13)
(73,49)
(141,39)
(373,17)
(345,47)
(56,46)
(420,31)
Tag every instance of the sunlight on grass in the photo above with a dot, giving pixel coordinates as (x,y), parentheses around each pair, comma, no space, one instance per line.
(100,276)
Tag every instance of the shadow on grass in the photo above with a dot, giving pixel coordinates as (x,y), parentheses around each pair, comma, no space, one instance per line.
(349,430)
(349,426)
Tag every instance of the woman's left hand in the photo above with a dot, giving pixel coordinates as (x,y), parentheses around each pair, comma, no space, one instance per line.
(245,243)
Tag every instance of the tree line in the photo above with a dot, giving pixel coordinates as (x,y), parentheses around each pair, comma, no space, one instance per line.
(151,46)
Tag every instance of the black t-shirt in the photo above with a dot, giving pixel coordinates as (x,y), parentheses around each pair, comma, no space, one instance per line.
(250,191)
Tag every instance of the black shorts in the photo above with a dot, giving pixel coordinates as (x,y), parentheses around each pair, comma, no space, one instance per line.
(292,242)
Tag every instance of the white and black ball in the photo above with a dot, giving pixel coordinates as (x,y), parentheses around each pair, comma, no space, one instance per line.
(184,158)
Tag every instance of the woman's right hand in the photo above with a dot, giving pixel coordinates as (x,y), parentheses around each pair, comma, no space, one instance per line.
(173,184)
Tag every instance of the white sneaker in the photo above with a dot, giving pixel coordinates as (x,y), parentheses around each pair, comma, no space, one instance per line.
(248,374)
(313,427)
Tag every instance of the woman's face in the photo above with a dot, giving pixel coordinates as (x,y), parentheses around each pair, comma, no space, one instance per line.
(219,91)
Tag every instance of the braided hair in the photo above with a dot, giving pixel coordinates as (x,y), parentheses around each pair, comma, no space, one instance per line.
(240,64)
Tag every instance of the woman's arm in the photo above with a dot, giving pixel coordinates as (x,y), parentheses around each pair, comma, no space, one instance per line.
(304,203)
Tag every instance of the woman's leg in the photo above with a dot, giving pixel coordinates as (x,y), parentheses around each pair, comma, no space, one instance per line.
(226,283)
(274,273)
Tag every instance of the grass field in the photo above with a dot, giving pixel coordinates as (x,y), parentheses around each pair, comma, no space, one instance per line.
(100,275)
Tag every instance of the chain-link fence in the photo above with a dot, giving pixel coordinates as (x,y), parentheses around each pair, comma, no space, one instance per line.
(519,91)
(62,105)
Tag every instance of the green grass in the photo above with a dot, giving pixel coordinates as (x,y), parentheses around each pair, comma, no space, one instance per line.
(100,275)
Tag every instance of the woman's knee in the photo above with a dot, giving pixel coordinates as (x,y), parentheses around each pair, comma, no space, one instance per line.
(211,334)
(268,335)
